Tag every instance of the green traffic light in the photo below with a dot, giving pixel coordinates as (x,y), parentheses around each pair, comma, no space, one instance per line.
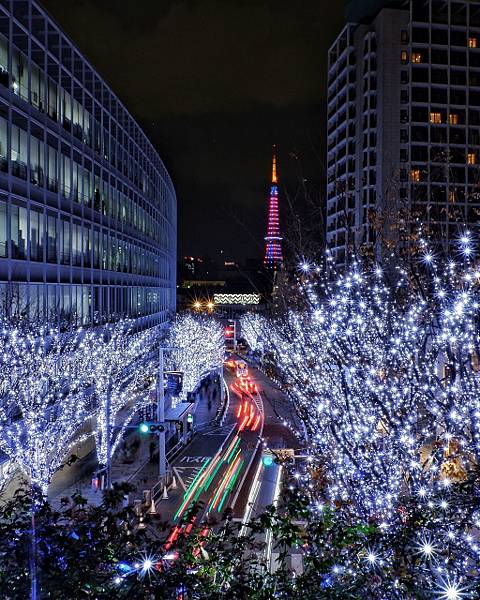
(267,460)
(144,428)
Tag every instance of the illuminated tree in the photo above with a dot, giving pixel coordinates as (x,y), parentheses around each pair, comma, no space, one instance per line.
(120,363)
(251,328)
(201,348)
(382,369)
(44,402)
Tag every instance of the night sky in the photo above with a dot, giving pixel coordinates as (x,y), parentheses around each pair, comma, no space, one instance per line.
(214,83)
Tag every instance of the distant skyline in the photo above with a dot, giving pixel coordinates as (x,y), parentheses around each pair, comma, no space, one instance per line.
(215,84)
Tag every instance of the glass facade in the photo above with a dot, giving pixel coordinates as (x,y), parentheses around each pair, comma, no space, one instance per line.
(87,208)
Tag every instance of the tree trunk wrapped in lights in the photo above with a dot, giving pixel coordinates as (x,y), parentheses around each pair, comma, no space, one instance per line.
(120,364)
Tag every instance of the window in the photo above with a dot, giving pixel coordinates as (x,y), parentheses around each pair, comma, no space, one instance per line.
(36,235)
(416,57)
(435,117)
(471,158)
(404,57)
(452,196)
(404,36)
(453,119)
(18,232)
(3,229)
(472,42)
(415,175)
(51,239)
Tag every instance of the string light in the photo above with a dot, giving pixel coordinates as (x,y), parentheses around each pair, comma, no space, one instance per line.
(201,345)
(384,377)
(44,400)
(120,367)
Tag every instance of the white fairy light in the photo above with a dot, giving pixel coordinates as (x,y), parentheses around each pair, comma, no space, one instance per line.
(201,348)
(44,402)
(120,367)
(383,376)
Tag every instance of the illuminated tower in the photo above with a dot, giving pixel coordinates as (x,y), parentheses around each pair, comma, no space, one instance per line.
(273,241)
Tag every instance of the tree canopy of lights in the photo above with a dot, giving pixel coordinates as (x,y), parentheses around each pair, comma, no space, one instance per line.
(251,328)
(200,343)
(44,403)
(383,370)
(120,364)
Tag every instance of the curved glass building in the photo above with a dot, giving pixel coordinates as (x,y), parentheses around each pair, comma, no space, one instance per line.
(87,208)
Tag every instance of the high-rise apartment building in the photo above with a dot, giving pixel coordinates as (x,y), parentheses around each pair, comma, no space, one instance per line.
(87,208)
(403,123)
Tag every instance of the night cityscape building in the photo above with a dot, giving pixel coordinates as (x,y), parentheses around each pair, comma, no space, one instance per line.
(273,259)
(87,208)
(403,122)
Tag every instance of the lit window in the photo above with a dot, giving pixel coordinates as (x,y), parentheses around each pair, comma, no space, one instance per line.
(416,57)
(471,158)
(435,117)
(453,119)
(452,196)
(472,42)
(404,57)
(415,175)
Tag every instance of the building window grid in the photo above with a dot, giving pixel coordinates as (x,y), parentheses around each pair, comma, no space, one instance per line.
(39,235)
(22,88)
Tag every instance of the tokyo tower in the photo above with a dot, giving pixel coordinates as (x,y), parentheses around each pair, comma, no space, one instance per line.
(273,241)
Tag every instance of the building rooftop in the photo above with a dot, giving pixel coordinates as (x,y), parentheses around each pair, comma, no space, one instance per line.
(358,11)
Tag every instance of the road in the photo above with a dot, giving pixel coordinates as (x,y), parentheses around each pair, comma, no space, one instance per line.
(223,467)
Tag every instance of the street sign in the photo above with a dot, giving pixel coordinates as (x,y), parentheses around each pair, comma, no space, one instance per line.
(173,382)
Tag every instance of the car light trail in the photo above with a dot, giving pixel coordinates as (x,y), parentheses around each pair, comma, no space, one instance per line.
(252,498)
(257,421)
(192,487)
(234,449)
(231,484)
(228,475)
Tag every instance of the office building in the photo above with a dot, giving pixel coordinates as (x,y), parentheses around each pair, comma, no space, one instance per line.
(403,124)
(87,208)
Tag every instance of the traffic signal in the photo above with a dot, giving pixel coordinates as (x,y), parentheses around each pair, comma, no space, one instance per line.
(189,418)
(267,460)
(151,427)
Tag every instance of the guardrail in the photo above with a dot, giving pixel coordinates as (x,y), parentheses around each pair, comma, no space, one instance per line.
(221,415)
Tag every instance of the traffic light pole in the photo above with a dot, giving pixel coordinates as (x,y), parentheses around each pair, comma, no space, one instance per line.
(162,463)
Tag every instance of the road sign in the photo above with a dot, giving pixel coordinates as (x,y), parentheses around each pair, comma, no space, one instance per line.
(173,382)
